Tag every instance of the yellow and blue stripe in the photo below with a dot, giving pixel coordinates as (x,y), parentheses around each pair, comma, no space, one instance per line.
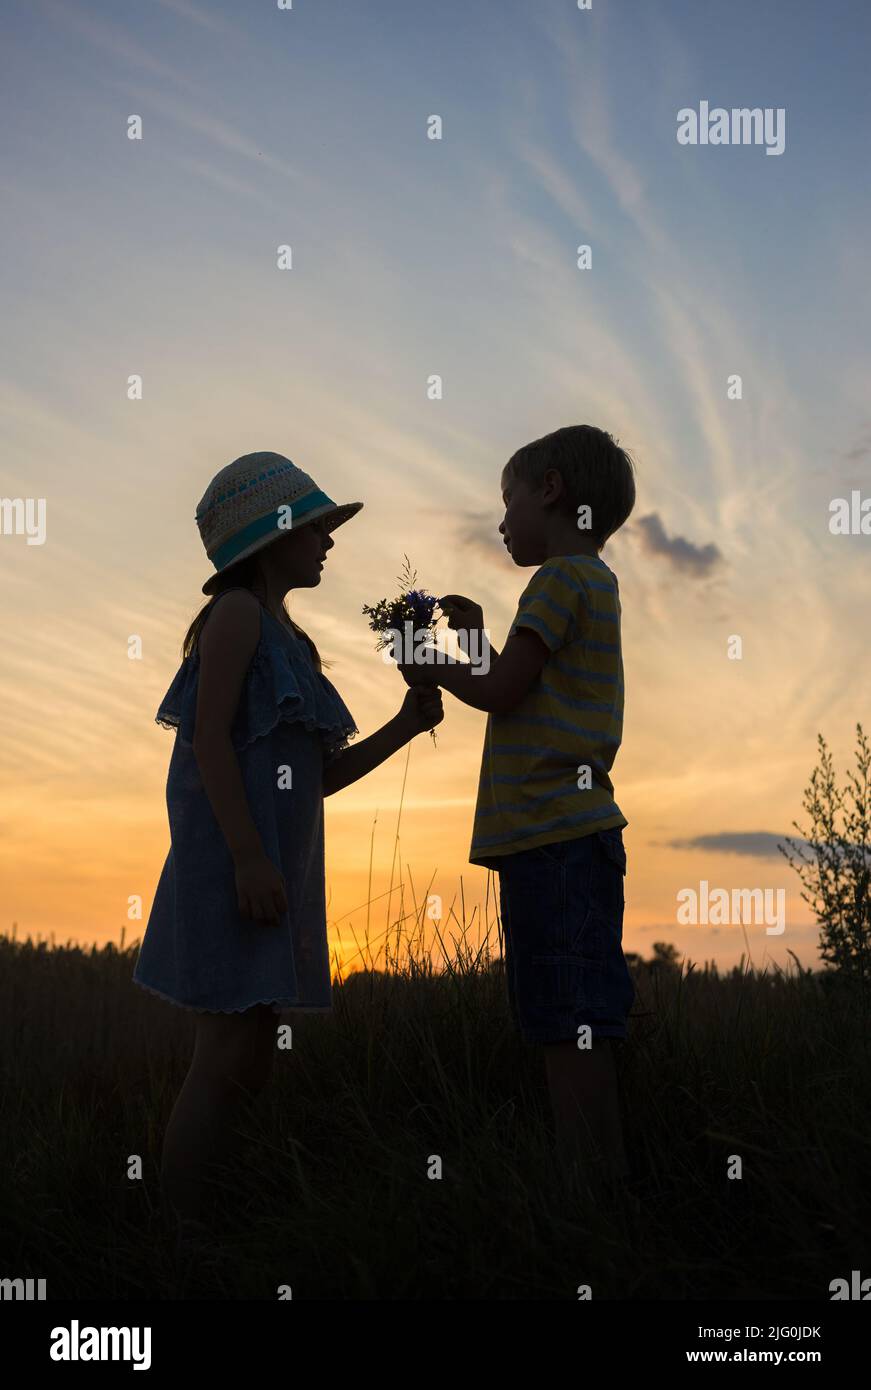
(528,792)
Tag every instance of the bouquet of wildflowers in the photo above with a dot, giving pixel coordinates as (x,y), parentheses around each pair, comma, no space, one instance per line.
(388,617)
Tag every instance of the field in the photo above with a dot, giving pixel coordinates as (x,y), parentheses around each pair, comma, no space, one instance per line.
(331,1194)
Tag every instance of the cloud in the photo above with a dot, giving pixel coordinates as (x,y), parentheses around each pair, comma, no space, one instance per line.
(859,451)
(228,182)
(213,128)
(756,844)
(682,554)
(478,531)
(196,15)
(114,40)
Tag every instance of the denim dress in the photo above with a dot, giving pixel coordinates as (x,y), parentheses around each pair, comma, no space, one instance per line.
(198,951)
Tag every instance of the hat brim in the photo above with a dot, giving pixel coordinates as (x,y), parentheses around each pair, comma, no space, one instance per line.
(334,516)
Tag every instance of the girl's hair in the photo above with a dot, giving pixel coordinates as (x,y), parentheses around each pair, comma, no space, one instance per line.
(594,470)
(244,574)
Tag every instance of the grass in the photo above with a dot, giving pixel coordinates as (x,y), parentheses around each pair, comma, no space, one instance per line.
(332,1195)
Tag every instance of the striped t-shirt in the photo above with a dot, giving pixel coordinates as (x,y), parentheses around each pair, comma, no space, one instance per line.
(544,772)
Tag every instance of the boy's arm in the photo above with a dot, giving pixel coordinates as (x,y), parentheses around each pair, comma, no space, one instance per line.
(497,691)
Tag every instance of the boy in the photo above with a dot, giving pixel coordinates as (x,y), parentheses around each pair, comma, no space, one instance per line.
(546,818)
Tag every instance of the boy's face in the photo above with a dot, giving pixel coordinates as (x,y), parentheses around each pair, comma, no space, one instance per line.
(522,528)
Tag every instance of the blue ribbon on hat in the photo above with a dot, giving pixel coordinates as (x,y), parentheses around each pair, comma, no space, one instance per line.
(265,525)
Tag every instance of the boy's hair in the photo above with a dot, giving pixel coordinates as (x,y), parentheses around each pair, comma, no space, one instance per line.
(595,471)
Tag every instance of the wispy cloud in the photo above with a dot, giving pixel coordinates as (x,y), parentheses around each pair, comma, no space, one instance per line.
(115,41)
(223,180)
(755,844)
(559,185)
(204,18)
(860,450)
(682,555)
(477,531)
(118,44)
(214,128)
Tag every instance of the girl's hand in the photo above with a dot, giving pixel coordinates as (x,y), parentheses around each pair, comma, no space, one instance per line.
(419,673)
(421,709)
(261,890)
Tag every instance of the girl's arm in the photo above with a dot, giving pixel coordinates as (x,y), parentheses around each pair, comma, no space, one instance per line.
(227,644)
(421,709)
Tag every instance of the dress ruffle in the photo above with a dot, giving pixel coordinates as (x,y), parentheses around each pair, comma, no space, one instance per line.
(281,684)
(278,1005)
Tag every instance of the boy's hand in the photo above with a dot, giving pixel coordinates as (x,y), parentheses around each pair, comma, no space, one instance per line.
(422,708)
(462,614)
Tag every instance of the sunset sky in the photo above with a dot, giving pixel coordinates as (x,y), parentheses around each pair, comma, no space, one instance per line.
(411,256)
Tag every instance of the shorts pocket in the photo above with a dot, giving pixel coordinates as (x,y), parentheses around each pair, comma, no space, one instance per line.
(541,857)
(606,883)
(550,854)
(574,973)
(611,843)
(574,978)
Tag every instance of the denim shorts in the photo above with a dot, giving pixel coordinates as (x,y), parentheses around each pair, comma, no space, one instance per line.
(562,920)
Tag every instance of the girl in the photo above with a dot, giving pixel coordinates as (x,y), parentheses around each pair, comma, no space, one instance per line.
(237,930)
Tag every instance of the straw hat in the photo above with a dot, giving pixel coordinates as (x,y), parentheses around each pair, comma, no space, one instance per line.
(253,501)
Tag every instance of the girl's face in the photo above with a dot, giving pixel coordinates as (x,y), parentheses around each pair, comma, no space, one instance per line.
(296,560)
